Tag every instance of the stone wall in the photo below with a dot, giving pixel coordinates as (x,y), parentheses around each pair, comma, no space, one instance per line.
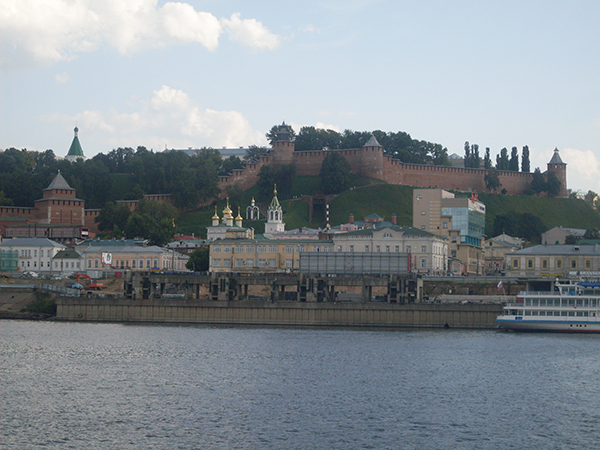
(372,315)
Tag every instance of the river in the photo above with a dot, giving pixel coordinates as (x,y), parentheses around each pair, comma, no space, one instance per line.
(116,386)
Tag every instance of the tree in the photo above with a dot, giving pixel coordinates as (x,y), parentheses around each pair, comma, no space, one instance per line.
(475,159)
(269,176)
(531,227)
(113,218)
(254,153)
(553,185)
(525,165)
(492,181)
(4,201)
(592,233)
(487,161)
(467,157)
(230,164)
(199,260)
(335,173)
(502,161)
(538,184)
(513,164)
(272,134)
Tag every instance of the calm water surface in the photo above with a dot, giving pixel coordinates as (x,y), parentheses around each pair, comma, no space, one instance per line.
(111,386)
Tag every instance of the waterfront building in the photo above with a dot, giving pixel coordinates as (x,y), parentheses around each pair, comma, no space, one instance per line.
(227,229)
(125,254)
(67,260)
(555,261)
(460,219)
(34,254)
(495,251)
(428,252)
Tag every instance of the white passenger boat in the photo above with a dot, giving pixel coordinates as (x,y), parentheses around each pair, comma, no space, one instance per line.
(571,307)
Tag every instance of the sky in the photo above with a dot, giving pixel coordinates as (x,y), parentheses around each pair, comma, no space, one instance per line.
(220,73)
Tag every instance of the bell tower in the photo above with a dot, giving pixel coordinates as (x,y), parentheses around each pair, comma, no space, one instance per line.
(559,168)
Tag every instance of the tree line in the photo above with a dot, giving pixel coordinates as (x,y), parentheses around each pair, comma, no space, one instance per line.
(399,145)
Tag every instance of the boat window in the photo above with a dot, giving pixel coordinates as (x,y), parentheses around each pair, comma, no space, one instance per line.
(527,313)
(579,313)
(563,313)
(557,313)
(586,314)
(571,313)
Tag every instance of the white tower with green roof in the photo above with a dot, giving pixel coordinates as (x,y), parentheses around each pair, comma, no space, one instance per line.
(75,152)
(274,217)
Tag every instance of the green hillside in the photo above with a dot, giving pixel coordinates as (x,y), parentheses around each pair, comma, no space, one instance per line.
(373,196)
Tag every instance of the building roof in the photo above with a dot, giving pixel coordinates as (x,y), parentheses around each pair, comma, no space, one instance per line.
(30,242)
(372,142)
(556,159)
(565,250)
(59,182)
(75,149)
(67,253)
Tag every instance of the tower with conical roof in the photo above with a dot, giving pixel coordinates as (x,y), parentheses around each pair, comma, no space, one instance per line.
(559,168)
(274,216)
(75,151)
(59,204)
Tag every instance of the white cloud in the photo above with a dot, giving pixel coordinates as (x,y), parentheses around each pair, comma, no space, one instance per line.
(62,78)
(35,32)
(250,32)
(322,126)
(167,118)
(583,169)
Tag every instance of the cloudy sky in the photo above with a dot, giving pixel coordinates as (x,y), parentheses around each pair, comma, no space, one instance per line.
(221,73)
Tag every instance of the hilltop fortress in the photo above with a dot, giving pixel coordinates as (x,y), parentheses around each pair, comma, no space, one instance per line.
(370,161)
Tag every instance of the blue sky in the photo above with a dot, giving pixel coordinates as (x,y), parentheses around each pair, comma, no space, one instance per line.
(222,73)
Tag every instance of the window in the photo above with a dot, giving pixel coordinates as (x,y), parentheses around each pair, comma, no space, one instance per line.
(141,263)
(559,263)
(516,263)
(289,249)
(300,248)
(378,249)
(249,248)
(366,248)
(272,249)
(423,249)
(588,264)
(249,263)
(227,262)
(397,249)
(216,249)
(288,263)
(530,263)
(147,263)
(95,263)
(544,263)
(272,263)
(387,248)
(239,262)
(573,264)
(351,248)
(262,262)
(133,263)
(262,248)
(239,249)
(445,225)
(227,249)
(423,263)
(216,263)
(408,248)
(155,263)
(453,253)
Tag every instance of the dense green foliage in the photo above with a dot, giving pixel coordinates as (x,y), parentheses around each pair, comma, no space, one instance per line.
(199,260)
(399,145)
(335,173)
(189,179)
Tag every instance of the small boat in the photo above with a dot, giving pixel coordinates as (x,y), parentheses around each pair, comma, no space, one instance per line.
(573,306)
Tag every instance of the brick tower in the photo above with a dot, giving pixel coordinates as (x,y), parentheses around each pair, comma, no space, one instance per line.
(559,168)
(283,147)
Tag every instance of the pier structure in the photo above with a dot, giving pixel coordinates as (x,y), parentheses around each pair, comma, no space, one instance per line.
(231,287)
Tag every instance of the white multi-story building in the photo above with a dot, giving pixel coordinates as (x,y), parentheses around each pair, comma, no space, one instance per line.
(34,254)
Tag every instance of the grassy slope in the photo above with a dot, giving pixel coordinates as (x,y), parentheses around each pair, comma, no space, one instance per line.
(373,196)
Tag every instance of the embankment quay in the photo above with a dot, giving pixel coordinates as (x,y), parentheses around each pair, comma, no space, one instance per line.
(396,301)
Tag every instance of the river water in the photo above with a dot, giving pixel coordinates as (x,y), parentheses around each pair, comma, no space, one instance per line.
(114,386)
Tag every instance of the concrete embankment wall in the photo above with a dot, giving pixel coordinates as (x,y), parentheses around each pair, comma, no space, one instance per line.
(386,315)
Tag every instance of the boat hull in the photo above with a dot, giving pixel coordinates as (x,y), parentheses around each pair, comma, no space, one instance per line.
(545,325)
